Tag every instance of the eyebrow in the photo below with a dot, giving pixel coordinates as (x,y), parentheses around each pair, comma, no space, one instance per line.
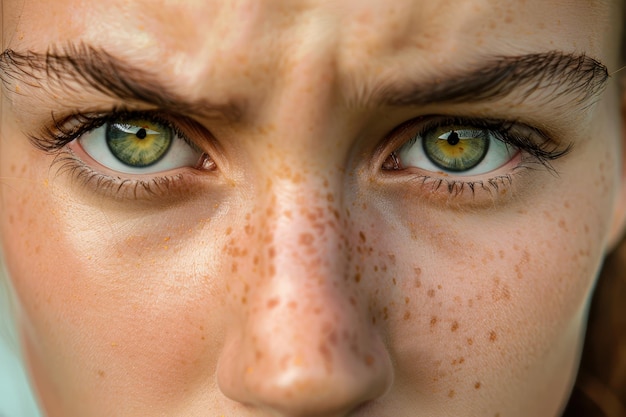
(553,73)
(81,65)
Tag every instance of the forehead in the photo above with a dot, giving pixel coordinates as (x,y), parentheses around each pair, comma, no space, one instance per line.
(374,27)
(215,45)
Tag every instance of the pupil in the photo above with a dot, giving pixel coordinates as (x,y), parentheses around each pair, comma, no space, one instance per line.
(453,138)
(141,134)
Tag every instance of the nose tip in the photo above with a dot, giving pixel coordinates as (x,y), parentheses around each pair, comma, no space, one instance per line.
(292,367)
(303,345)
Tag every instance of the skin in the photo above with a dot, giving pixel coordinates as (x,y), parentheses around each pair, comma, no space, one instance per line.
(297,277)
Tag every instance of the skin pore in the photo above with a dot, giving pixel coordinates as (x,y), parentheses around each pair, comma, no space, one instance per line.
(305,259)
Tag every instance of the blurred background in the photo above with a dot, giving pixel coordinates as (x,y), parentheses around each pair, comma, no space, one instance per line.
(15,397)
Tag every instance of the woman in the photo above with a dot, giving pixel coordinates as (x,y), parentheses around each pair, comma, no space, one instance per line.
(273,208)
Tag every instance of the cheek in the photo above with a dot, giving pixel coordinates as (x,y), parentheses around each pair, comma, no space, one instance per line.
(492,302)
(102,295)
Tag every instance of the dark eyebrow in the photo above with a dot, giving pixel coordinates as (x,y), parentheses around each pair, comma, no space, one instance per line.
(81,65)
(554,74)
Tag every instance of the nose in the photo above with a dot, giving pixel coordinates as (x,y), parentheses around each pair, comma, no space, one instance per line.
(304,346)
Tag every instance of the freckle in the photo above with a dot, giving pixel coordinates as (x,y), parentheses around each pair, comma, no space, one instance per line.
(501,253)
(477,385)
(244,300)
(273,303)
(461,360)
(431,293)
(492,336)
(407,300)
(407,315)
(353,301)
(292,305)
(566,204)
(306,239)
(362,237)
(562,224)
(433,322)
(357,277)
(393,280)
(101,374)
(451,393)
(271,252)
(454,327)
(369,360)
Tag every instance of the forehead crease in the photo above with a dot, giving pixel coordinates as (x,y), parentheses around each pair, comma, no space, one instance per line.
(380,42)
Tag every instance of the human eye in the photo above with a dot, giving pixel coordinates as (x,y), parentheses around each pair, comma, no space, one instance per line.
(457,154)
(139,145)
(124,149)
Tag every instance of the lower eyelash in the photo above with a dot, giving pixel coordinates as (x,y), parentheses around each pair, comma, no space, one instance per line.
(487,192)
(116,188)
(456,188)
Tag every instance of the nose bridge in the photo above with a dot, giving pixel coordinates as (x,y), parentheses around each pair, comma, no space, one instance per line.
(305,346)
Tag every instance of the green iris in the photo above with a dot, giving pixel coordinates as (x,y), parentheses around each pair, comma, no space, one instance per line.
(138,143)
(456,150)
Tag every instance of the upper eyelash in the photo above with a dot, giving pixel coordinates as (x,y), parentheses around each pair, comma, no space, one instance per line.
(63,131)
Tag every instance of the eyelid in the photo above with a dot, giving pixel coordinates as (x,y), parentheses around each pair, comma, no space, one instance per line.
(532,140)
(70,127)
(59,137)
(537,151)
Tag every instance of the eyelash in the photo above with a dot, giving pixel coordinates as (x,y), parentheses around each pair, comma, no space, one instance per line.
(54,139)
(535,145)
(538,148)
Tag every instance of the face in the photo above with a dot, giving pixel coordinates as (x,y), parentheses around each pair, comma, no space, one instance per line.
(263,208)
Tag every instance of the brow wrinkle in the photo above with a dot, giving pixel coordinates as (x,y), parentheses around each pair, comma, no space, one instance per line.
(555,74)
(79,66)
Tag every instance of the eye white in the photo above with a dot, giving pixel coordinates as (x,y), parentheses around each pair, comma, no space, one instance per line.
(412,154)
(179,155)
